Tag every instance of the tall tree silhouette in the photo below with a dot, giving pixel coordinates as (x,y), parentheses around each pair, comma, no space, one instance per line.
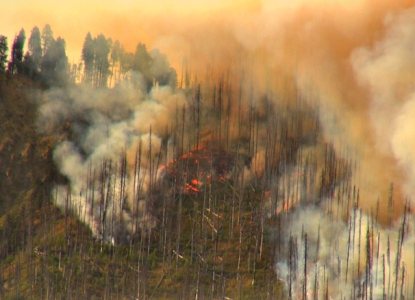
(115,59)
(55,64)
(142,63)
(102,49)
(16,59)
(35,47)
(3,53)
(88,58)
(33,56)
(47,38)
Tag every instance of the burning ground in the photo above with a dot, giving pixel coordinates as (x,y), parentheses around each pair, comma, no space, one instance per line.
(124,174)
(288,136)
(128,161)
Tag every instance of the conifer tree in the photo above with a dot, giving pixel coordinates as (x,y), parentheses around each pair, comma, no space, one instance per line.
(126,63)
(47,38)
(33,56)
(35,47)
(88,58)
(142,63)
(28,65)
(55,64)
(16,59)
(102,49)
(3,53)
(115,59)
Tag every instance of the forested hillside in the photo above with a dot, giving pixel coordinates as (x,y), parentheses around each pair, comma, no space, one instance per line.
(120,179)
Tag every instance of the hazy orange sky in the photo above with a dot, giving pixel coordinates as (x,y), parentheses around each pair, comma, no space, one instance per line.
(177,26)
(130,21)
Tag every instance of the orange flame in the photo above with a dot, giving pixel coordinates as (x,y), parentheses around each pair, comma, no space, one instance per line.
(191,188)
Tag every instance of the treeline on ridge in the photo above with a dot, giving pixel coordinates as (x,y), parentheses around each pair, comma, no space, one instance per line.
(103,62)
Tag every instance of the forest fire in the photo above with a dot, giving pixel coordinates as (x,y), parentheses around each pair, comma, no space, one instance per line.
(251,150)
(283,205)
(198,167)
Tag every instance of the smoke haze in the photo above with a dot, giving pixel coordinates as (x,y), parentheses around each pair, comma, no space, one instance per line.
(354,60)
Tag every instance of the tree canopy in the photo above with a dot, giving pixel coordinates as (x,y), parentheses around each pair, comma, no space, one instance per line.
(3,53)
(103,63)
(16,59)
(55,64)
(33,56)
(47,38)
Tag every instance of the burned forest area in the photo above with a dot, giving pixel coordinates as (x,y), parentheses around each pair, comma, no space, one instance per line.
(123,178)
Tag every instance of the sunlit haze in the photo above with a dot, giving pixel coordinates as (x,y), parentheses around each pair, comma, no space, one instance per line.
(313,99)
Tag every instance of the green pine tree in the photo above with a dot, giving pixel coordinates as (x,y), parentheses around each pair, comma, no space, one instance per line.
(3,53)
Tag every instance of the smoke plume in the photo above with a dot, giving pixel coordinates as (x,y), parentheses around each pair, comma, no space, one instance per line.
(353,58)
(101,134)
(353,61)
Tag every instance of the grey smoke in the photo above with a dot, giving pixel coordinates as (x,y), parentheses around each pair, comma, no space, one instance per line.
(92,126)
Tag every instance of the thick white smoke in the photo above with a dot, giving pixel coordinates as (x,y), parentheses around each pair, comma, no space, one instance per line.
(346,260)
(387,69)
(97,132)
(357,257)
